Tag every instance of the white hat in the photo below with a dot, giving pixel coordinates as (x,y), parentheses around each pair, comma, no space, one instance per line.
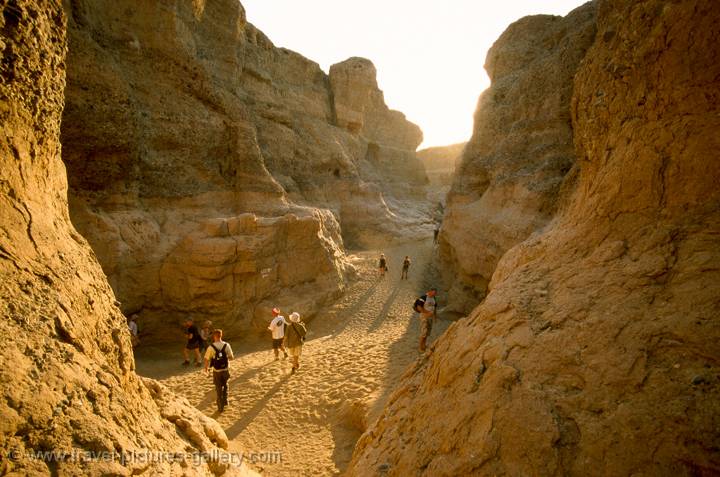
(295,317)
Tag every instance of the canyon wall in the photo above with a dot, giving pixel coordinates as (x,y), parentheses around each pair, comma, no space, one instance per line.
(508,182)
(595,351)
(440,163)
(70,401)
(216,175)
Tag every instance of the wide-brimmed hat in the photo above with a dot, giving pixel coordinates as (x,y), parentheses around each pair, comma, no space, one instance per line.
(295,317)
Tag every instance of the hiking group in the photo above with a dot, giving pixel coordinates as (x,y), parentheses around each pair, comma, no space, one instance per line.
(383,267)
(287,337)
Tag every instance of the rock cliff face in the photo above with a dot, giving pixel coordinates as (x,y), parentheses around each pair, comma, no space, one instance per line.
(509,179)
(595,350)
(215,174)
(440,163)
(70,401)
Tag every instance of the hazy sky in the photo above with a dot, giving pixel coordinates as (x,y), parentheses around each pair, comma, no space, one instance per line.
(429,53)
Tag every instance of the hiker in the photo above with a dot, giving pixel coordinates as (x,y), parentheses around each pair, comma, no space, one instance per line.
(382,265)
(436,232)
(193,342)
(425,307)
(205,335)
(405,268)
(217,356)
(133,327)
(277,328)
(294,339)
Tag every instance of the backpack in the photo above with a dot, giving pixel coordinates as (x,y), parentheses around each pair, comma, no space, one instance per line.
(419,304)
(220,360)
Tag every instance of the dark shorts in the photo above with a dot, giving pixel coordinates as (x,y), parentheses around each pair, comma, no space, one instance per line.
(277,343)
(192,345)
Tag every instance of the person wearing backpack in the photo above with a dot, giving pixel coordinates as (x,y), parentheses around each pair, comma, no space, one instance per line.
(294,339)
(425,308)
(217,357)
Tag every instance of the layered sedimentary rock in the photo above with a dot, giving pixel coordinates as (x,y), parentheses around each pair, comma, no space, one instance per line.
(510,176)
(595,351)
(215,174)
(70,401)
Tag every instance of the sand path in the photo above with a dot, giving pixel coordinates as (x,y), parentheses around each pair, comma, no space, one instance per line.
(355,352)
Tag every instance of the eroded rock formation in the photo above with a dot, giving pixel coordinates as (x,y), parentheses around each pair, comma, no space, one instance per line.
(440,163)
(215,174)
(595,350)
(70,401)
(508,182)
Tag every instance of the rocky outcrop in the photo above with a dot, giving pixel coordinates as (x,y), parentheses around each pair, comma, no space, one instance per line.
(213,173)
(510,176)
(70,401)
(595,350)
(440,163)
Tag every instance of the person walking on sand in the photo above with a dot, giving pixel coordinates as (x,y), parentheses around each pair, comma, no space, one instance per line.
(382,265)
(205,335)
(405,268)
(277,329)
(193,342)
(217,357)
(294,339)
(427,315)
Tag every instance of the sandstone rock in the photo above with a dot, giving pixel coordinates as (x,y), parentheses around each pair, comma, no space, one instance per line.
(183,119)
(70,401)
(440,162)
(509,180)
(581,358)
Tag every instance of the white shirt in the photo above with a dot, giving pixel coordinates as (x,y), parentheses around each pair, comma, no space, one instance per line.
(429,306)
(132,326)
(277,328)
(217,345)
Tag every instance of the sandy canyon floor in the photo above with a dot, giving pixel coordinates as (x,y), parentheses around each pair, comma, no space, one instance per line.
(357,349)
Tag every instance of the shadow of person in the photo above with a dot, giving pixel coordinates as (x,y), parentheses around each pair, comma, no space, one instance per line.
(233,431)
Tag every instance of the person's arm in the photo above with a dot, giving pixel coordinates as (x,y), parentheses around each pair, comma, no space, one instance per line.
(208,355)
(230,352)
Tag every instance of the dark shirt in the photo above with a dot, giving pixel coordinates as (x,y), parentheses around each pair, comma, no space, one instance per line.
(294,334)
(382,263)
(195,334)
(406,263)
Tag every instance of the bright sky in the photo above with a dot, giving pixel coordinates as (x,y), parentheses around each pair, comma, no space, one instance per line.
(429,53)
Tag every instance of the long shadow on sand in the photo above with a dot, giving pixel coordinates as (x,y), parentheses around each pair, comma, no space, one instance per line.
(253,412)
(209,397)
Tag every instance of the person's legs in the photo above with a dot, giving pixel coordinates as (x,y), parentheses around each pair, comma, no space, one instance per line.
(275,349)
(198,359)
(424,332)
(224,377)
(186,355)
(217,381)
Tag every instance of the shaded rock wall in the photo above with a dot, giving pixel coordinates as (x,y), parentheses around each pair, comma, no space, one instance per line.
(440,163)
(67,383)
(181,119)
(595,350)
(510,176)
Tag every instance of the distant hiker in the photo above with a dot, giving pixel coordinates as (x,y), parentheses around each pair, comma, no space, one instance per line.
(436,232)
(193,342)
(294,339)
(217,356)
(205,335)
(382,265)
(405,268)
(133,327)
(277,328)
(425,308)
